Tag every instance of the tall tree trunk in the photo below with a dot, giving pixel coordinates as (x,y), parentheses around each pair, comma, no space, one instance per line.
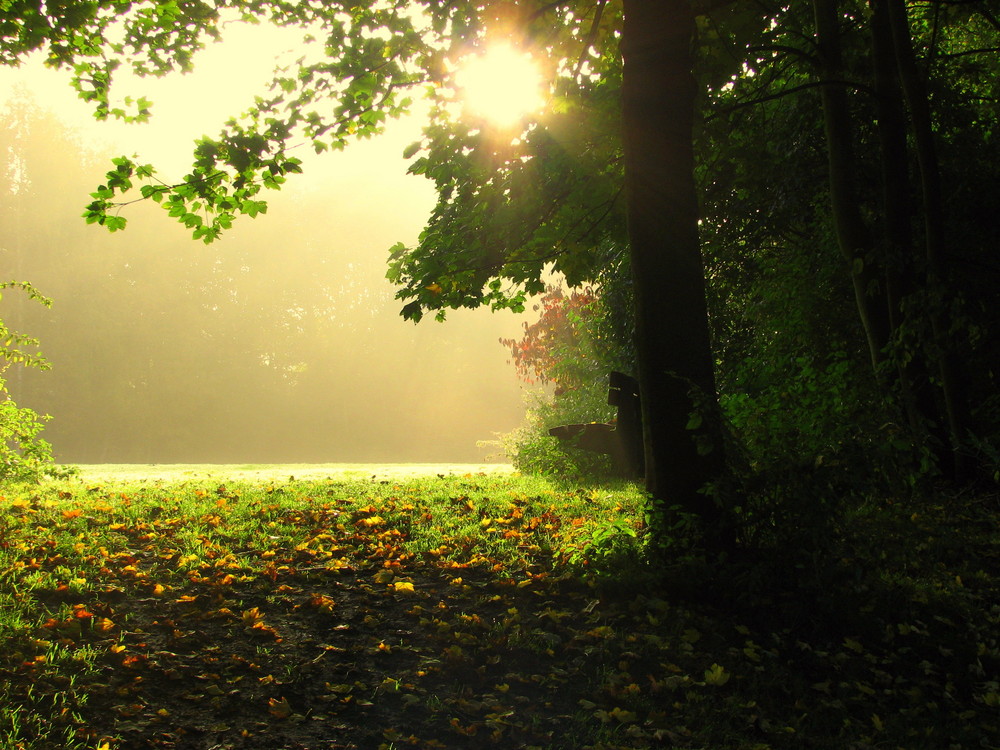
(913,383)
(950,369)
(674,355)
(853,237)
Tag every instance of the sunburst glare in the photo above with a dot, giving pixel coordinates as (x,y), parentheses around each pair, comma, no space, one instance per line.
(502,85)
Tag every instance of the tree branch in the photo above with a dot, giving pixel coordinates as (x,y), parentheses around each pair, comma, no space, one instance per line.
(785,48)
(965,53)
(786,92)
(591,36)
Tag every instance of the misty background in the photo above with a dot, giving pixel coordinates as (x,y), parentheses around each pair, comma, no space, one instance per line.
(280,343)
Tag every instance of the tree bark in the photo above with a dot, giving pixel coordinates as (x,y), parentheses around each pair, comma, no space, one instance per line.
(673,347)
(913,383)
(853,236)
(950,369)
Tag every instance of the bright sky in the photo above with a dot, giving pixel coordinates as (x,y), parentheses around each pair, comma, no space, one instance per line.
(502,85)
(226,77)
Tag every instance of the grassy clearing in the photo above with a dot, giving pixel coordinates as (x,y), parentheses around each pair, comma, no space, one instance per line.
(276,472)
(471,610)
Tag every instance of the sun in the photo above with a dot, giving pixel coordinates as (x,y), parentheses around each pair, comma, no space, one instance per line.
(502,85)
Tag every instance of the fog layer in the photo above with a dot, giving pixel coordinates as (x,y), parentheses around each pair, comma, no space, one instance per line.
(281,343)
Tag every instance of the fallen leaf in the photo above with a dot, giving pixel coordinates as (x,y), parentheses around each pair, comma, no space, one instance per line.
(716,675)
(279,708)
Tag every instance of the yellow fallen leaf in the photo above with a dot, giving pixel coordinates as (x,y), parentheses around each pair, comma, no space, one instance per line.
(625,717)
(854,645)
(716,675)
(691,636)
(404,587)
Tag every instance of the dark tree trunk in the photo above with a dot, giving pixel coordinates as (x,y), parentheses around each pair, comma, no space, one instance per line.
(913,384)
(853,236)
(950,370)
(673,347)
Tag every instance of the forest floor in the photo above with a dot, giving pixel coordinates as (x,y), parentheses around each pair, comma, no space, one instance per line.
(477,610)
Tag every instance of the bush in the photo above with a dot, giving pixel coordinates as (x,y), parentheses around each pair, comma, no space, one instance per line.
(24,457)
(534,451)
(572,349)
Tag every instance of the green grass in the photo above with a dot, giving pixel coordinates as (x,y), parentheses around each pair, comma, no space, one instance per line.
(235,607)
(275,472)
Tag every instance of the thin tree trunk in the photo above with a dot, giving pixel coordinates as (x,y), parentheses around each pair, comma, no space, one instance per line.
(950,369)
(853,237)
(673,347)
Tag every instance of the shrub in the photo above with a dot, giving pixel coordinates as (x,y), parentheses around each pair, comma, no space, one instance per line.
(566,352)
(24,457)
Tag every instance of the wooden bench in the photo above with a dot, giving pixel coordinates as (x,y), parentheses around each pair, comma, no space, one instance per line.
(621,439)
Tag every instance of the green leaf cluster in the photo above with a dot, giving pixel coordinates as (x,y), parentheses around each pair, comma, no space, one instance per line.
(24,456)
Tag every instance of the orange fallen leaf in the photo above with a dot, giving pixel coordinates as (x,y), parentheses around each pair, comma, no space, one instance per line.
(279,708)
(103,624)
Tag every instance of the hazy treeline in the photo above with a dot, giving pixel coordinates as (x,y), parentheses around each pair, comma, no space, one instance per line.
(281,343)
